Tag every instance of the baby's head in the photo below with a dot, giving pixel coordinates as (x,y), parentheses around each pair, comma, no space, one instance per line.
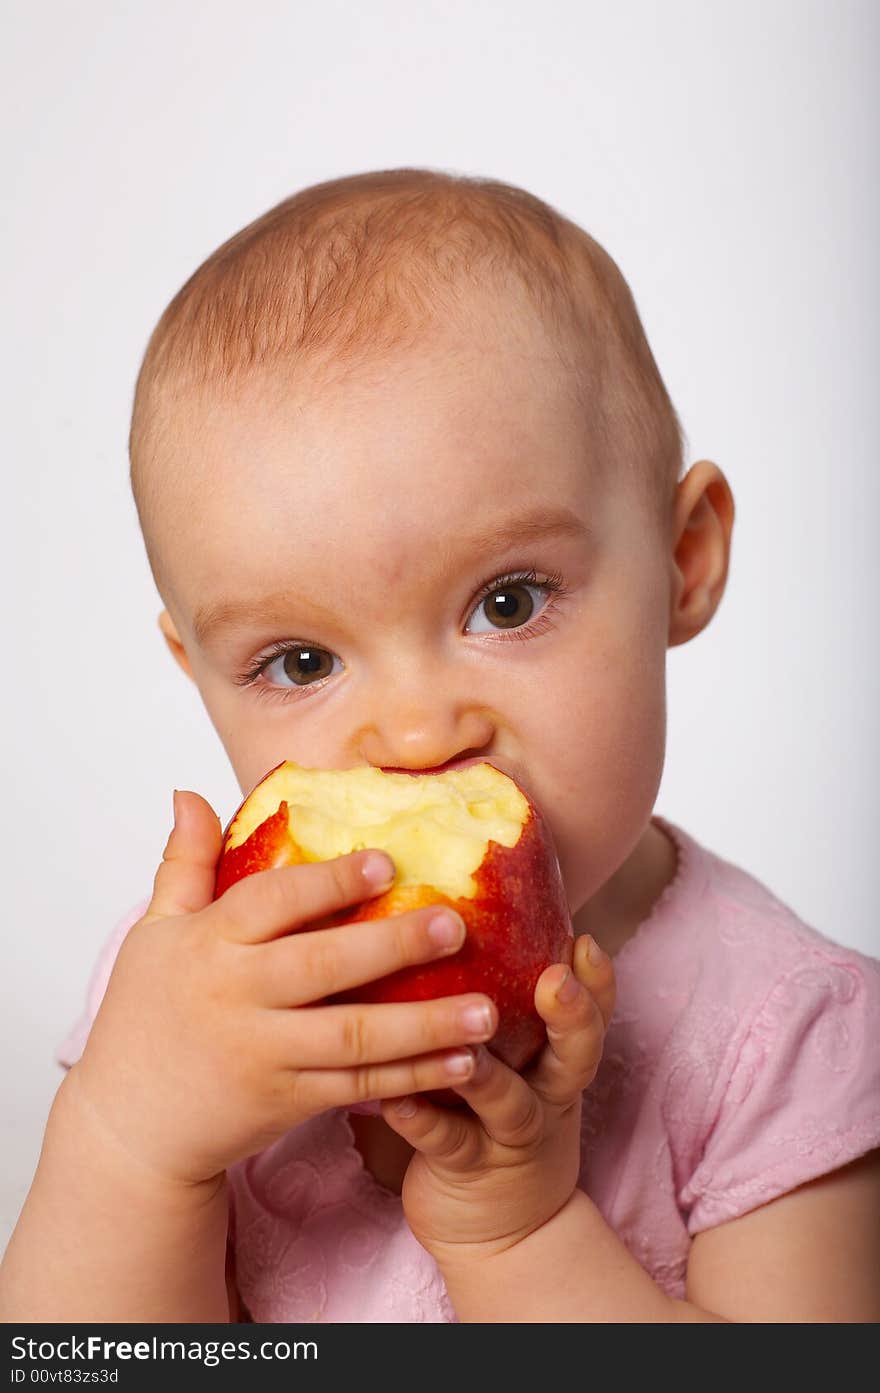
(409,483)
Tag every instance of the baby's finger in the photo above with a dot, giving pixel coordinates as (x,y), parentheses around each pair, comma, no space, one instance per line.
(507,1107)
(184,882)
(269,904)
(575,1037)
(446,1135)
(594,969)
(320,1089)
(351,1036)
(307,966)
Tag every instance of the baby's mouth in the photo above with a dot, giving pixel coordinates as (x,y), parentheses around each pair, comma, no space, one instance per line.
(437,768)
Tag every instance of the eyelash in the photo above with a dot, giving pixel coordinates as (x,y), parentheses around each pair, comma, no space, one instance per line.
(553,582)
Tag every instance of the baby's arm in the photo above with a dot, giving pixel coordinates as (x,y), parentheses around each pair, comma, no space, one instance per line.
(100,1238)
(810,1256)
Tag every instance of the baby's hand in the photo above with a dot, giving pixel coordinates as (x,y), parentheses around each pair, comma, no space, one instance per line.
(210,1041)
(484,1179)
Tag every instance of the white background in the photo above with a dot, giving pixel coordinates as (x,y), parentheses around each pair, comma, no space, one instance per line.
(724,153)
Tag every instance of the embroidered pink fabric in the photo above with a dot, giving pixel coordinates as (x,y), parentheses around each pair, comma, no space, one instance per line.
(742,1061)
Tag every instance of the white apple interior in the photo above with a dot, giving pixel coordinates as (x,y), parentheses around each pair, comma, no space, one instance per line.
(435,826)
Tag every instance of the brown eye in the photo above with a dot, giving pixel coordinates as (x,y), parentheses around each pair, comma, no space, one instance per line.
(304,665)
(509,606)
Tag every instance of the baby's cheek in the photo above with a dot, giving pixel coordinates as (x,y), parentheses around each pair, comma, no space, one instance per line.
(613,754)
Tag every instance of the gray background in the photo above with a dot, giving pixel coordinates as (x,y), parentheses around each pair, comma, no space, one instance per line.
(724,153)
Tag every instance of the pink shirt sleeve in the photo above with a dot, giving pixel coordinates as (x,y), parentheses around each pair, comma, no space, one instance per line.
(72,1046)
(803,1095)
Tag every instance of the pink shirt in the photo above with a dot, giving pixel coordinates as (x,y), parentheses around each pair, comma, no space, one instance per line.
(742,1061)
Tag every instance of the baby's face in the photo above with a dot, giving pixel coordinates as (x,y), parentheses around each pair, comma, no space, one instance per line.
(333,538)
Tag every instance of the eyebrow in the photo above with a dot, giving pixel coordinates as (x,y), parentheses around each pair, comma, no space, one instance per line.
(213,620)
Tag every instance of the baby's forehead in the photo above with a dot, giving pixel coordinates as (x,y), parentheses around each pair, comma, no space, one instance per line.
(375,474)
(457,408)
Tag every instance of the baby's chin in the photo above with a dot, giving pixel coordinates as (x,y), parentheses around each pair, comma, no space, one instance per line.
(442,1097)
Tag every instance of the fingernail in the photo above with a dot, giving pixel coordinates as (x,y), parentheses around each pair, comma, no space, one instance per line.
(446,929)
(377,870)
(176,801)
(594,952)
(568,988)
(477,1020)
(459,1065)
(406,1107)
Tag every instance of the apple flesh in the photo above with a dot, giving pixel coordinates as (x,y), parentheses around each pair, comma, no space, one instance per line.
(470,838)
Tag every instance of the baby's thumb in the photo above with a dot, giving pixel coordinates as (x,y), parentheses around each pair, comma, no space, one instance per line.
(185,880)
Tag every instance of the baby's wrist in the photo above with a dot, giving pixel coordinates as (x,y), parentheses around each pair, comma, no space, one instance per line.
(498,1281)
(77,1134)
(460,1259)
(468,1266)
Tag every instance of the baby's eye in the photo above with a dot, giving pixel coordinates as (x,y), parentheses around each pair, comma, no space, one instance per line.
(302,666)
(508,605)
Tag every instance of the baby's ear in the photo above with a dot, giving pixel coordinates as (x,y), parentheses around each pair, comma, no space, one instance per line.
(172,638)
(704,512)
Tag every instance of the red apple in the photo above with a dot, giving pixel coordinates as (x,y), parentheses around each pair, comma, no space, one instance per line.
(468,837)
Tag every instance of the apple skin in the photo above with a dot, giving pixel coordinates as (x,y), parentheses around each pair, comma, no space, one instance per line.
(518,923)
(268,847)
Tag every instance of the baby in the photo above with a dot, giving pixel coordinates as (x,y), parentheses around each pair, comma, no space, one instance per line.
(412,491)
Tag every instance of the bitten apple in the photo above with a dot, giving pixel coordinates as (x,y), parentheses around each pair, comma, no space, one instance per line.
(469,838)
